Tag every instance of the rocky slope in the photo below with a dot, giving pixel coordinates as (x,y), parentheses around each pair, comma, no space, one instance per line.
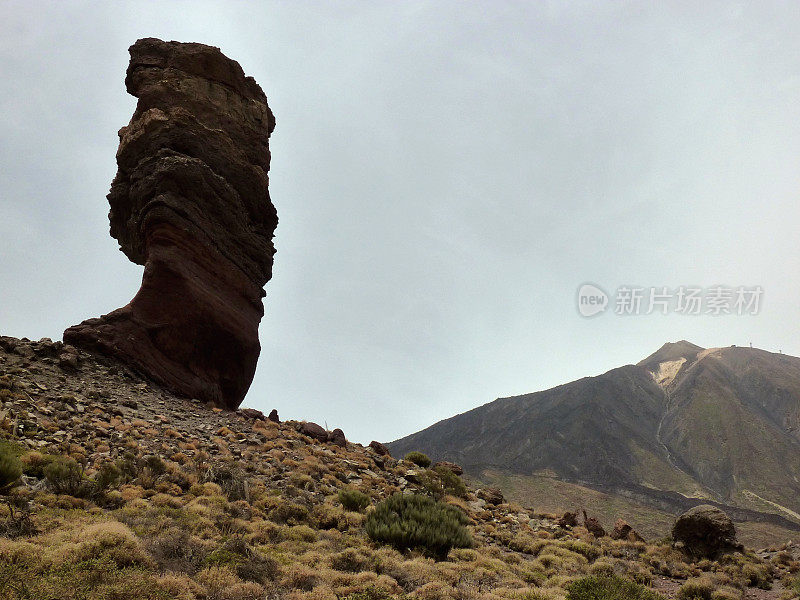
(190,202)
(684,425)
(218,505)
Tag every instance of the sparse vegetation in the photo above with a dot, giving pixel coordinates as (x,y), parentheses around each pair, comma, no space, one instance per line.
(140,508)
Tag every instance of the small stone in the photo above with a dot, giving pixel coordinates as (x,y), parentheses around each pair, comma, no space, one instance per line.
(68,359)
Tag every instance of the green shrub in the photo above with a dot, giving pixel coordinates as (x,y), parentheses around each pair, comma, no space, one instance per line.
(419,459)
(353,499)
(151,469)
(10,471)
(609,588)
(440,481)
(65,476)
(418,522)
(108,476)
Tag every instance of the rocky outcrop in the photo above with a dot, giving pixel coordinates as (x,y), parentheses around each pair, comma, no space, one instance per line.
(450,466)
(623,531)
(337,438)
(593,526)
(568,520)
(705,531)
(312,430)
(492,495)
(381,449)
(190,203)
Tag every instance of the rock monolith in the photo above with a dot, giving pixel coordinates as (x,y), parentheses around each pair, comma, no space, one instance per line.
(190,202)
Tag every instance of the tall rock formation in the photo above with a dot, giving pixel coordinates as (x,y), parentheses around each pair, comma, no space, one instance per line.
(190,203)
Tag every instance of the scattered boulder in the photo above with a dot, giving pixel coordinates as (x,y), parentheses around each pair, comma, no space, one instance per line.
(273,416)
(68,359)
(190,202)
(379,448)
(623,531)
(337,438)
(593,526)
(705,531)
(252,413)
(313,431)
(450,466)
(568,520)
(413,476)
(491,495)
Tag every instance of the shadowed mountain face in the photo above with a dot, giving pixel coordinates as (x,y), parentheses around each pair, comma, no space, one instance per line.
(685,423)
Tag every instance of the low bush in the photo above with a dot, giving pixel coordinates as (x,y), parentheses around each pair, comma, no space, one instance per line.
(609,588)
(697,588)
(353,499)
(418,522)
(33,463)
(65,476)
(108,477)
(245,561)
(419,459)
(231,480)
(441,481)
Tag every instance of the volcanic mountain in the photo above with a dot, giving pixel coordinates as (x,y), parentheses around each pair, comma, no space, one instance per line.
(684,425)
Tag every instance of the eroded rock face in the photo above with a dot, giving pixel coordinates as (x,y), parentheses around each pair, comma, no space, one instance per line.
(190,202)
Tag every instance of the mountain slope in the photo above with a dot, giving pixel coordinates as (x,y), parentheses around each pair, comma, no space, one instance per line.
(683,424)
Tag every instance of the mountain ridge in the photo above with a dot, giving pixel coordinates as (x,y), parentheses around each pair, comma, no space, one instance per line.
(683,425)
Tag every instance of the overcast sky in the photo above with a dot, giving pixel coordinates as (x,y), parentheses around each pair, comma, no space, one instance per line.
(446,175)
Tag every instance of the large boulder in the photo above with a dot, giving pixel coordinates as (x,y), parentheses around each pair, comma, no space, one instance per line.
(313,431)
(705,531)
(190,202)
